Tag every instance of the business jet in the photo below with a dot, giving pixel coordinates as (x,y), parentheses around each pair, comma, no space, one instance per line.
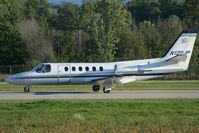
(175,60)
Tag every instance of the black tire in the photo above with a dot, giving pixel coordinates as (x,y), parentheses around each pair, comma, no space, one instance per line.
(26,89)
(96,88)
(106,91)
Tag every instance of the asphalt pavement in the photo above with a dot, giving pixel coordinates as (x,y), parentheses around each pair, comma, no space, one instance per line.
(134,94)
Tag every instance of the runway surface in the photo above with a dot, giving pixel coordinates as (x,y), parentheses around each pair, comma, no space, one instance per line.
(100,95)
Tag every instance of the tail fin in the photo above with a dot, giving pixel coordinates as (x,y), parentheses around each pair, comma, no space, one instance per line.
(183,46)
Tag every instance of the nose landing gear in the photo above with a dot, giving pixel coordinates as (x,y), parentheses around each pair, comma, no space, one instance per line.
(27,89)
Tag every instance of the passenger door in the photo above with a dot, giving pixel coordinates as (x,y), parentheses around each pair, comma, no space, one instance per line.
(64,74)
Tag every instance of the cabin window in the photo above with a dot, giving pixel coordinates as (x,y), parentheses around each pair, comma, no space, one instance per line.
(101,68)
(66,69)
(47,68)
(39,68)
(87,68)
(80,68)
(94,68)
(73,68)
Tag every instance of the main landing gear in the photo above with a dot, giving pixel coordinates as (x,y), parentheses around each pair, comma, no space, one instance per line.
(96,88)
(27,89)
(106,89)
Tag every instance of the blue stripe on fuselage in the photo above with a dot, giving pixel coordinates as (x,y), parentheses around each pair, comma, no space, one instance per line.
(90,76)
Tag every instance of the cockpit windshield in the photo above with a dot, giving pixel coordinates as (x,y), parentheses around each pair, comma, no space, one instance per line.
(39,68)
(43,68)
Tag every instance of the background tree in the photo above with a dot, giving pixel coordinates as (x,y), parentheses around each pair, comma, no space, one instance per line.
(191,13)
(37,9)
(67,17)
(144,9)
(169,29)
(102,20)
(171,7)
(12,47)
(39,48)
(66,38)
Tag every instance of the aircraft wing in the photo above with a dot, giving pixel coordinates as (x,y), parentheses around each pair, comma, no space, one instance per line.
(104,80)
(115,80)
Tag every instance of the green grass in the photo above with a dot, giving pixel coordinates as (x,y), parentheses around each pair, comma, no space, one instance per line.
(161,85)
(99,116)
(144,85)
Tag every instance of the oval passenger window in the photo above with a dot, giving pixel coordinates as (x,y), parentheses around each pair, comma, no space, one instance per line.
(73,68)
(66,69)
(87,68)
(94,68)
(101,68)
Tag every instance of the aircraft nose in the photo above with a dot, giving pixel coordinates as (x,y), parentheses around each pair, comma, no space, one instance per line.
(17,78)
(9,79)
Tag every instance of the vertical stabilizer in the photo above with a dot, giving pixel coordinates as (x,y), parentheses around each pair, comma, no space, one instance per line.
(183,46)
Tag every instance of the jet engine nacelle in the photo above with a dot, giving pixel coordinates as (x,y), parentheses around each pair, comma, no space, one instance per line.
(126,69)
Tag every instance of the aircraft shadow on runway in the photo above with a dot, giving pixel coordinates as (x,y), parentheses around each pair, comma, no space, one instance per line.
(88,92)
(61,92)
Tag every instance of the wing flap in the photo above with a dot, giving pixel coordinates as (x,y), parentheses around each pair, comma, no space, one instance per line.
(116,80)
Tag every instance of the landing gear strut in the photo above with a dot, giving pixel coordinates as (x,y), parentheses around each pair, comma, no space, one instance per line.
(96,88)
(27,89)
(106,90)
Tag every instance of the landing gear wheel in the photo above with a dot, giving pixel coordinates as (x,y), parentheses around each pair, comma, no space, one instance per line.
(96,88)
(106,91)
(26,89)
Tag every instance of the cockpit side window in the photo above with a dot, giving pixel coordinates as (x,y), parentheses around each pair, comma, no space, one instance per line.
(39,68)
(47,68)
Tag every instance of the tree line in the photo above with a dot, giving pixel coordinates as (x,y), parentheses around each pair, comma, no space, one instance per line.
(35,31)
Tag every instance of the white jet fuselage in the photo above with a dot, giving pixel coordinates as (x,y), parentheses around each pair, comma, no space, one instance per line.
(175,60)
(83,73)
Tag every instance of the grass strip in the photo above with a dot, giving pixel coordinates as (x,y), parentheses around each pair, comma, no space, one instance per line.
(80,116)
